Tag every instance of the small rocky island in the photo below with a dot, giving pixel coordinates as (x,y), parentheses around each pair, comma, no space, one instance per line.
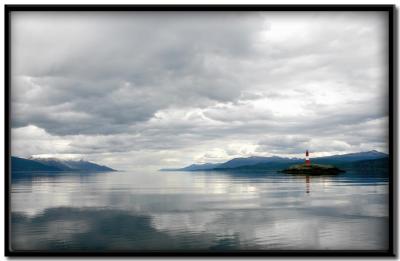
(313,169)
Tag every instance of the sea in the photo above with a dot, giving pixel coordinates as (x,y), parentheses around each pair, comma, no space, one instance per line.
(201,211)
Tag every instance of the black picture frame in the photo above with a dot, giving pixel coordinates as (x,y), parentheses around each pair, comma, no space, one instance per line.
(390,9)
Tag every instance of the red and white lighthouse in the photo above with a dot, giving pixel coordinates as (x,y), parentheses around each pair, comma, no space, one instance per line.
(307,158)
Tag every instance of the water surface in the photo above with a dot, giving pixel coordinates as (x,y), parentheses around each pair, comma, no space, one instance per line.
(136,211)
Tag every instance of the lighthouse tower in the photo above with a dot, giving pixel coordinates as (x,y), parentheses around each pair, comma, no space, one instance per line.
(307,159)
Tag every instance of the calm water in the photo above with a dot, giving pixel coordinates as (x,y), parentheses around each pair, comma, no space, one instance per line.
(198,211)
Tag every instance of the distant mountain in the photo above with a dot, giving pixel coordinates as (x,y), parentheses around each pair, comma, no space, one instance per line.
(264,166)
(239,162)
(352,157)
(86,165)
(70,165)
(194,167)
(53,164)
(380,164)
(275,162)
(20,164)
(201,166)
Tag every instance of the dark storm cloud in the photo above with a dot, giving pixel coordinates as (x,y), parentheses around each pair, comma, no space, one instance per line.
(139,72)
(232,83)
(121,69)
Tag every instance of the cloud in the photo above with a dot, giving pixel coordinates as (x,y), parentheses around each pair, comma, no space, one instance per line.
(180,86)
(145,68)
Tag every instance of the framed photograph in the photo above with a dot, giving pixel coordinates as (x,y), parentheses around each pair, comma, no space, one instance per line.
(223,130)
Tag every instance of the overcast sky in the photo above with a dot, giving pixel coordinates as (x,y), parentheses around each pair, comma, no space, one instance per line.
(150,89)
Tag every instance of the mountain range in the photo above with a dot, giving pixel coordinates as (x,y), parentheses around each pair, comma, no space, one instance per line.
(274,162)
(53,164)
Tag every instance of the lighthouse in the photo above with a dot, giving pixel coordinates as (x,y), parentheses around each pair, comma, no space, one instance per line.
(307,159)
